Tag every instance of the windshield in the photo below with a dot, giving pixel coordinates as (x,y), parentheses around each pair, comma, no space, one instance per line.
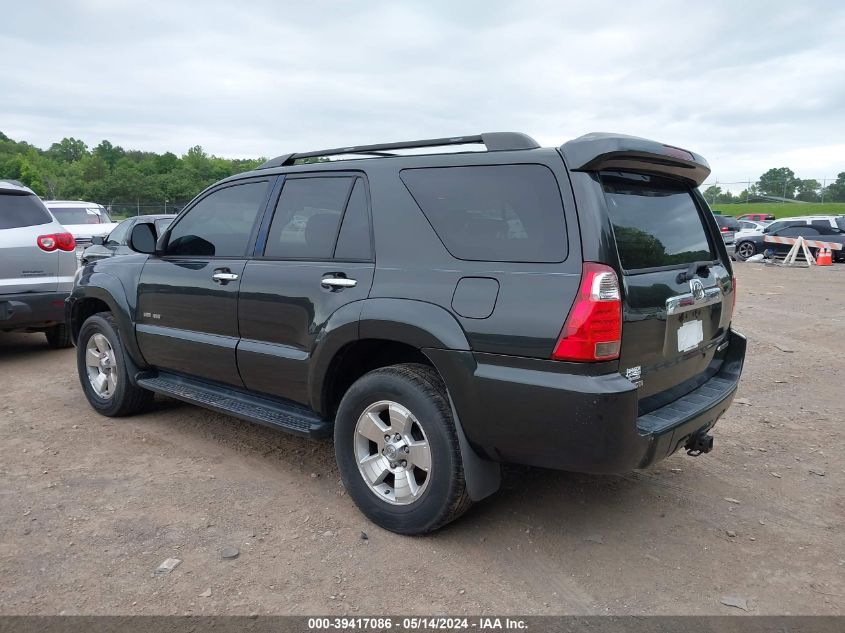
(80,215)
(655,220)
(162,224)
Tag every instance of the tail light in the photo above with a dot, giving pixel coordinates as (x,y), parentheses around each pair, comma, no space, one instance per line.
(56,241)
(593,330)
(724,229)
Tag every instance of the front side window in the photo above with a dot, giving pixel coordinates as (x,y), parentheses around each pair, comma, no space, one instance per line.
(307,218)
(220,224)
(655,220)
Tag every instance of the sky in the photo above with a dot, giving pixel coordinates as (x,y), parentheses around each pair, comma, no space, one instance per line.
(748,85)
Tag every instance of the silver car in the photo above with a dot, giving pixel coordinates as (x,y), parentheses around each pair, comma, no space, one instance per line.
(117,242)
(37,266)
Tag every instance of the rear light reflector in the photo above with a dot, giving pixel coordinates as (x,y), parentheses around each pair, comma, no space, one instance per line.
(733,294)
(56,241)
(593,329)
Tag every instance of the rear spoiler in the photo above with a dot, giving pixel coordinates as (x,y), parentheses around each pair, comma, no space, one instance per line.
(601,151)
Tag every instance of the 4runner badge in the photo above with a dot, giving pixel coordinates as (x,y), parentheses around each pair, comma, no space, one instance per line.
(634,374)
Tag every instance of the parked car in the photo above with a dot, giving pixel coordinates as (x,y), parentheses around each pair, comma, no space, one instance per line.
(749,227)
(728,227)
(756,217)
(37,264)
(754,244)
(84,220)
(438,313)
(832,221)
(117,242)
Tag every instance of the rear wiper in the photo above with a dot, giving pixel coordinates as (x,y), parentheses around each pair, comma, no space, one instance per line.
(692,271)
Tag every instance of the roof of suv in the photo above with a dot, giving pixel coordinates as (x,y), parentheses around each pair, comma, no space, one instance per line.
(14,186)
(71,203)
(591,152)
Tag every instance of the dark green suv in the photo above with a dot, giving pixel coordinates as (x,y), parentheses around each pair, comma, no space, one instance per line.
(438,313)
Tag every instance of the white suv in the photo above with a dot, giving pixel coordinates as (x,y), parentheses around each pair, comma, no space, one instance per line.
(37,265)
(84,220)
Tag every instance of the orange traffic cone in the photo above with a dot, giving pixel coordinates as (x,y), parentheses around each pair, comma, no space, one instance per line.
(824,257)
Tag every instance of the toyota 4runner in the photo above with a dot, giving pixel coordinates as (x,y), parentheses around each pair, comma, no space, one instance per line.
(437,313)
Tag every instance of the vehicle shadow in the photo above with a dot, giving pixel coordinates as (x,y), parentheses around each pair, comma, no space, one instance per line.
(551,501)
(14,345)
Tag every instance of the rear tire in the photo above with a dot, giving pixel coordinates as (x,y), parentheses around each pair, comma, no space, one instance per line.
(58,336)
(114,395)
(408,401)
(744,250)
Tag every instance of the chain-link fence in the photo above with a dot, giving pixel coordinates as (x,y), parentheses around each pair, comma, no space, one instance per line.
(122,210)
(793,190)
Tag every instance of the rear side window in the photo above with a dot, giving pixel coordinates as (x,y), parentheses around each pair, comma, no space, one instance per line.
(497,213)
(655,220)
(354,239)
(17,211)
(307,217)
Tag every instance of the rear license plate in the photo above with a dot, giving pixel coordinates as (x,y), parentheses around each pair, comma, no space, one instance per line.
(690,334)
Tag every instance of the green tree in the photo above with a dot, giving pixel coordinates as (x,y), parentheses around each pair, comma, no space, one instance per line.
(808,190)
(779,181)
(68,150)
(835,192)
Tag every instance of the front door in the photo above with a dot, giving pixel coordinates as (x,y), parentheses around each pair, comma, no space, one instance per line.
(317,257)
(187,315)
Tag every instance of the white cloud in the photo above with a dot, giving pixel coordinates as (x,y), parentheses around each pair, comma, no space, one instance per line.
(748,87)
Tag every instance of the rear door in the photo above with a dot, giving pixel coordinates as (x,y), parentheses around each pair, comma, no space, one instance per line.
(676,284)
(24,267)
(316,258)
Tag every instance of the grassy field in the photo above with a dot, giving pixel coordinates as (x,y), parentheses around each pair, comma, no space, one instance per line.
(782,209)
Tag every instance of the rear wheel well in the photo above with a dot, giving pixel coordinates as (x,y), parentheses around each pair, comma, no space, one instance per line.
(83,309)
(361,357)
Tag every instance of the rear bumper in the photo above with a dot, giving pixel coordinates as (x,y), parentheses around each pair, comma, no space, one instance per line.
(536,415)
(32,310)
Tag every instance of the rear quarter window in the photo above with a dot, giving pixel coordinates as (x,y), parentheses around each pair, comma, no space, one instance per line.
(655,221)
(495,213)
(17,211)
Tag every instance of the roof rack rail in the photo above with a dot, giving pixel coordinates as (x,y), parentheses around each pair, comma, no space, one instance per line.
(494,141)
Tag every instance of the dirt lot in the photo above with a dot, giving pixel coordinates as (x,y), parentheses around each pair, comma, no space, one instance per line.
(89,506)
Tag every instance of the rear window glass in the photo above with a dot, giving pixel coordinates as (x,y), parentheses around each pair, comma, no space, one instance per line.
(17,211)
(726,221)
(497,213)
(655,221)
(80,215)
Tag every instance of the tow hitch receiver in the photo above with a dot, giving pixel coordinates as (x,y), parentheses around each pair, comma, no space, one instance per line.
(701,442)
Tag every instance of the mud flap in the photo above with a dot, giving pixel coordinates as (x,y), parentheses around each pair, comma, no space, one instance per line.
(482,476)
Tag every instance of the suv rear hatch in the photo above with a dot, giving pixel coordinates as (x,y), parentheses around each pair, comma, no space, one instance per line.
(24,267)
(677,285)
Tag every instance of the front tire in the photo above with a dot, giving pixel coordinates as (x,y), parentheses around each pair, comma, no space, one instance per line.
(398,452)
(102,369)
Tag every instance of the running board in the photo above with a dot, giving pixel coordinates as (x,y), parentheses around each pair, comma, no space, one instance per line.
(278,414)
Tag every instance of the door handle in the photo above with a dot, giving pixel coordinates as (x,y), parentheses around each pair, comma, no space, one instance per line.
(338,282)
(224,276)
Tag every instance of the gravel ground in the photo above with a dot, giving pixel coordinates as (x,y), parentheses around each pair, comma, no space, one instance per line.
(90,506)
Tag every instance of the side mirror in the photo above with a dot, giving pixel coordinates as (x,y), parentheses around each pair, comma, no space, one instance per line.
(142,239)
(98,240)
